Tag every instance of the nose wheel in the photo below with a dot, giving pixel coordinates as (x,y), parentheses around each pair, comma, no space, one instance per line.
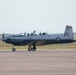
(13,49)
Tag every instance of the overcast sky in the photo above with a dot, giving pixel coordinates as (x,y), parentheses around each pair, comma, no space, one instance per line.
(17,16)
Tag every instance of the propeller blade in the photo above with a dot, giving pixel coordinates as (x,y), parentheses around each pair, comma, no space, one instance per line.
(3,35)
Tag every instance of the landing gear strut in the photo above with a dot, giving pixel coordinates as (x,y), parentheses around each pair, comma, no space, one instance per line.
(29,48)
(32,48)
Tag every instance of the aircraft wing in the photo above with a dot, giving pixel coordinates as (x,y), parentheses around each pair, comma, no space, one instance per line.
(40,42)
(37,42)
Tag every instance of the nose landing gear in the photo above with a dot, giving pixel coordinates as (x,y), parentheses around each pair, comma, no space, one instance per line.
(13,49)
(30,48)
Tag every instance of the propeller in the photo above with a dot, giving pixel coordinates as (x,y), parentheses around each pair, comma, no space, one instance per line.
(2,39)
(3,35)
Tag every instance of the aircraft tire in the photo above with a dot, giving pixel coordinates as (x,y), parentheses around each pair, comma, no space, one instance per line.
(33,49)
(29,49)
(13,49)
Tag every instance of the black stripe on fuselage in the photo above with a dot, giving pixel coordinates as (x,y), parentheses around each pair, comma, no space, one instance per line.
(57,41)
(26,42)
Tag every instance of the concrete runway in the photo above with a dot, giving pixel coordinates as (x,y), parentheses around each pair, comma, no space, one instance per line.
(40,62)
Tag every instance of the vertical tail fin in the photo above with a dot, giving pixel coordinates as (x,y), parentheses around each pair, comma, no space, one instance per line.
(69,32)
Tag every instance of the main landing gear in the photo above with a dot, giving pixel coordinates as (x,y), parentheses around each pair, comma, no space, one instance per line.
(32,48)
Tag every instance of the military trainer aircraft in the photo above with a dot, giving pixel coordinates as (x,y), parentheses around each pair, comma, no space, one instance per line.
(33,39)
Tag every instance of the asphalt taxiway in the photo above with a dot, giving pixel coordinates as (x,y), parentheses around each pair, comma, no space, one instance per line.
(41,62)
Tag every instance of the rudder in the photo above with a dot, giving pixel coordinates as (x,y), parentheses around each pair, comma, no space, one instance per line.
(69,32)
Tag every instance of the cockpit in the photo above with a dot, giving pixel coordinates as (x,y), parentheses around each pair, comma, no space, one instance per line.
(29,34)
